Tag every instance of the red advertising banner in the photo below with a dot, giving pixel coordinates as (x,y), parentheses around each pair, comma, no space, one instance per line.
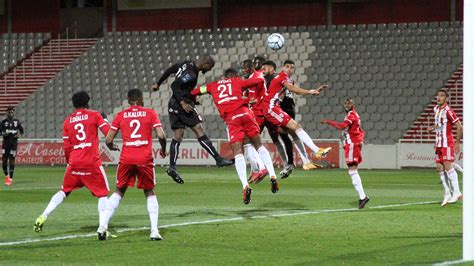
(37,152)
(331,161)
(40,153)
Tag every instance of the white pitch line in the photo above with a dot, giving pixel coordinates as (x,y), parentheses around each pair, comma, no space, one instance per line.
(453,262)
(36,240)
(29,188)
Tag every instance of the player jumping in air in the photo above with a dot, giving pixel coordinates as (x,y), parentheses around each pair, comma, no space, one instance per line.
(446,148)
(11,130)
(353,137)
(136,160)
(81,147)
(287,105)
(182,112)
(227,95)
(268,110)
(258,170)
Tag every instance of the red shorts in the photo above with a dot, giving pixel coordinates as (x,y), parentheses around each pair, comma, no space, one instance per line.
(353,153)
(94,179)
(241,125)
(128,173)
(277,117)
(444,154)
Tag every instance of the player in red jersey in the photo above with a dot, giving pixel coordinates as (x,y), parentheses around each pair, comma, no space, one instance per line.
(353,137)
(137,124)
(445,119)
(253,69)
(81,147)
(268,109)
(227,95)
(287,105)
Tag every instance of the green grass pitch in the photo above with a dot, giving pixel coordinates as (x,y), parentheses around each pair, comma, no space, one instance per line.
(312,220)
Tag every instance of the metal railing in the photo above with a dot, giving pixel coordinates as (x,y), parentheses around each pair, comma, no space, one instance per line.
(54,48)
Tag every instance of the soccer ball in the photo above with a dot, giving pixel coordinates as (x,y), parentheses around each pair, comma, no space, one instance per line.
(275,41)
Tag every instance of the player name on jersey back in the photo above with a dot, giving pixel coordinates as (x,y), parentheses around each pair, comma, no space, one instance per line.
(134,114)
(77,118)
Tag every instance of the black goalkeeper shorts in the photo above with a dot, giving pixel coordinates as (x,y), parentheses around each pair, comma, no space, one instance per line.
(181,119)
(9,148)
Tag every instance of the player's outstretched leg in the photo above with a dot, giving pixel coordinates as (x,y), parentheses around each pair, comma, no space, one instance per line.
(357,183)
(206,143)
(55,201)
(293,126)
(171,171)
(307,163)
(306,139)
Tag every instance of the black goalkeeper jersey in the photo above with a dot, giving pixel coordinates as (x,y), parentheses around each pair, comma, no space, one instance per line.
(185,81)
(10,128)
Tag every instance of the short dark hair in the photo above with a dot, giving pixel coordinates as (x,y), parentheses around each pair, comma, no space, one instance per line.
(81,99)
(247,63)
(10,109)
(259,57)
(230,73)
(134,95)
(445,92)
(269,63)
(288,61)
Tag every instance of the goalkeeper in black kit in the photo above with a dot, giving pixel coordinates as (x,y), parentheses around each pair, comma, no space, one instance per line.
(182,111)
(11,129)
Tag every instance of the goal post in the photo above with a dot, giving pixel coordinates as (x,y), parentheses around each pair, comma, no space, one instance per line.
(468,145)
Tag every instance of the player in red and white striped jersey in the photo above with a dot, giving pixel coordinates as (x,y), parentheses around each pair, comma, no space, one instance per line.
(353,137)
(446,147)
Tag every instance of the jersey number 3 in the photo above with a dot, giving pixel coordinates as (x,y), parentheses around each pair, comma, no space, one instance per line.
(81,134)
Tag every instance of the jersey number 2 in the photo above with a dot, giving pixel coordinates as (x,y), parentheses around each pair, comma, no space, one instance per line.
(224,90)
(135,124)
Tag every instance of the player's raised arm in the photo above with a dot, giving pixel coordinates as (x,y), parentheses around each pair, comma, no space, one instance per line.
(301,91)
(199,90)
(171,70)
(335,124)
(251,82)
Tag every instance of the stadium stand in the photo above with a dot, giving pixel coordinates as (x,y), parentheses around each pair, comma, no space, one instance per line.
(420,131)
(387,68)
(17,46)
(37,68)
